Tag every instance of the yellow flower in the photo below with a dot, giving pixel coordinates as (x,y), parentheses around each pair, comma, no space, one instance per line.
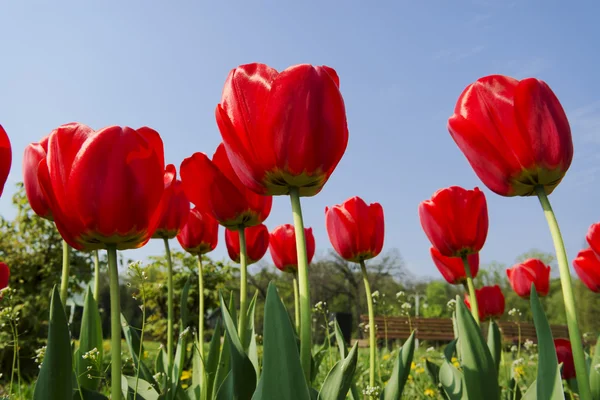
(413,365)
(184,386)
(519,371)
(386,357)
(185,375)
(454,359)
(145,354)
(429,392)
(455,362)
(420,370)
(410,377)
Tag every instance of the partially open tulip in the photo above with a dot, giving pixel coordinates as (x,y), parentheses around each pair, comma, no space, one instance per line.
(593,238)
(564,353)
(34,154)
(587,266)
(5,158)
(103,187)
(356,230)
(4,275)
(452,268)
(282,244)
(257,243)
(491,302)
(214,188)
(200,234)
(522,275)
(455,220)
(515,134)
(285,129)
(174,206)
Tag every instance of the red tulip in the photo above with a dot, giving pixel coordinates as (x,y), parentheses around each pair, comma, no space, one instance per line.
(5,158)
(587,266)
(490,301)
(174,207)
(452,268)
(521,276)
(257,243)
(285,129)
(455,220)
(103,187)
(355,229)
(215,189)
(515,134)
(34,154)
(200,234)
(593,238)
(4,275)
(282,244)
(564,353)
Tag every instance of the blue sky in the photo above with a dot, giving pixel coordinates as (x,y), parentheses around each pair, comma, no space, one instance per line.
(402,65)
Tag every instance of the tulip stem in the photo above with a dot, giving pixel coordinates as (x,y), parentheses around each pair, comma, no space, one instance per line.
(96,276)
(243,286)
(472,294)
(303,287)
(64,281)
(372,327)
(201,318)
(170,306)
(296,303)
(115,323)
(569,299)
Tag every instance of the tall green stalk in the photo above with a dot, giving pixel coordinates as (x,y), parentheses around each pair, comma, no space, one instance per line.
(201,318)
(303,287)
(96,276)
(170,307)
(64,280)
(296,303)
(372,328)
(115,324)
(243,285)
(568,297)
(472,294)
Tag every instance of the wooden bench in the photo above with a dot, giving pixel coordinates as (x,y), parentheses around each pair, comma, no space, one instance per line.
(441,329)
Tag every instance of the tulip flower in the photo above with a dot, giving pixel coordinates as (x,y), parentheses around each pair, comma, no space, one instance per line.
(174,208)
(5,158)
(257,243)
(452,268)
(490,300)
(593,238)
(564,353)
(587,266)
(34,154)
(282,244)
(522,275)
(103,188)
(355,229)
(4,275)
(515,134)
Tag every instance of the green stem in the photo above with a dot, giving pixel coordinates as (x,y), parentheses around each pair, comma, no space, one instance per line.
(140,351)
(201,317)
(472,295)
(170,306)
(64,281)
(296,304)
(115,323)
(303,286)
(96,276)
(243,286)
(14,363)
(372,328)
(569,299)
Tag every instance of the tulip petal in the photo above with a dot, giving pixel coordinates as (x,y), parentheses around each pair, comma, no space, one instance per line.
(5,158)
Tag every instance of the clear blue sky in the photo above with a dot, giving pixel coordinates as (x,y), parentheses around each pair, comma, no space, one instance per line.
(402,65)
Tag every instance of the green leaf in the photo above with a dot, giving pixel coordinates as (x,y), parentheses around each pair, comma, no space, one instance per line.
(341,342)
(594,373)
(452,380)
(194,392)
(494,342)
(212,359)
(531,393)
(282,377)
(479,370)
(250,345)
(395,386)
(224,366)
(54,381)
(514,392)
(183,305)
(179,361)
(316,360)
(434,373)
(243,375)
(90,338)
(133,343)
(88,395)
(226,391)
(549,382)
(161,366)
(337,384)
(145,391)
(232,309)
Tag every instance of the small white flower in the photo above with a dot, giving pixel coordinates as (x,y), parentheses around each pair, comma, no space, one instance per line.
(430,349)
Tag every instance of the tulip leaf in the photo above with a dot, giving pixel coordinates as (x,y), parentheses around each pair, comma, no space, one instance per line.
(226,391)
(479,369)
(179,361)
(250,346)
(145,390)
(395,386)
(194,392)
(549,382)
(243,374)
(183,306)
(341,342)
(531,393)
(212,360)
(316,360)
(434,373)
(282,377)
(514,392)
(54,381)
(161,366)
(90,338)
(86,394)
(133,343)
(452,380)
(494,342)
(595,373)
(223,367)
(338,382)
